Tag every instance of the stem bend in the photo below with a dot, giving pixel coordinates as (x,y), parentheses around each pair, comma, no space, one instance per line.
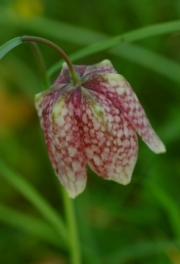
(75,77)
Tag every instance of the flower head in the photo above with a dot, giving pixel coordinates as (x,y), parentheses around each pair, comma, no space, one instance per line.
(93,122)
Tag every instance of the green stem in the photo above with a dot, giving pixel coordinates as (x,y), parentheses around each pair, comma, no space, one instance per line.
(72,228)
(75,77)
(40,62)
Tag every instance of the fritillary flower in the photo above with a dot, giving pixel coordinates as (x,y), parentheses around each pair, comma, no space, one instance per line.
(93,122)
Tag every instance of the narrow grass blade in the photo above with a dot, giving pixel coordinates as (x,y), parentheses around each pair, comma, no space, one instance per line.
(5,48)
(50,28)
(68,32)
(150,60)
(30,225)
(28,191)
(138,251)
(131,36)
(139,55)
(169,205)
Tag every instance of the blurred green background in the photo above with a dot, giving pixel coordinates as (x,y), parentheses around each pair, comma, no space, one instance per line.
(135,224)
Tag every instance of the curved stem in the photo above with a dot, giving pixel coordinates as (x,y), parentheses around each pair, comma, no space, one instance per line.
(74,75)
(72,228)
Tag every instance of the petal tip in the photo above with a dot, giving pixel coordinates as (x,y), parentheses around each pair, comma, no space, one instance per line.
(156,145)
(161,149)
(64,65)
(38,97)
(71,195)
(126,181)
(73,189)
(107,62)
(123,179)
(74,193)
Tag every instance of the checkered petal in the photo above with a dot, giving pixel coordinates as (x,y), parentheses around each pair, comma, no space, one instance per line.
(118,90)
(94,122)
(109,138)
(65,76)
(60,117)
(102,67)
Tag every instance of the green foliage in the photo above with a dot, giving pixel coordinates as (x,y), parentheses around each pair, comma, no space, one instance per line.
(139,223)
(9,45)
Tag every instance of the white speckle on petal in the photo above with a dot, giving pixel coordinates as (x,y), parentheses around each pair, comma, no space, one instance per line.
(117,118)
(64,111)
(62,133)
(113,82)
(126,143)
(110,118)
(84,119)
(76,166)
(108,143)
(100,135)
(120,90)
(72,151)
(85,128)
(88,111)
(119,133)
(60,120)
(89,152)
(96,125)
(95,149)
(97,160)
(126,132)
(67,126)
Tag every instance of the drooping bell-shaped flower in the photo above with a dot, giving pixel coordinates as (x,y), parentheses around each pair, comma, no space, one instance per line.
(93,122)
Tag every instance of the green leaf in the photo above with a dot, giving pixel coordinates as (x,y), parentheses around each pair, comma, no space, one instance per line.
(138,251)
(169,205)
(67,32)
(28,191)
(151,60)
(139,55)
(131,36)
(50,28)
(29,224)
(5,48)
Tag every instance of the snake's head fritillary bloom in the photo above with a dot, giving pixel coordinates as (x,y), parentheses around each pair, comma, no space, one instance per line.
(93,122)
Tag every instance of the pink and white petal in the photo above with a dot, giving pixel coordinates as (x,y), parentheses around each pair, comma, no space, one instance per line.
(118,90)
(104,66)
(44,103)
(110,140)
(65,77)
(45,100)
(60,122)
